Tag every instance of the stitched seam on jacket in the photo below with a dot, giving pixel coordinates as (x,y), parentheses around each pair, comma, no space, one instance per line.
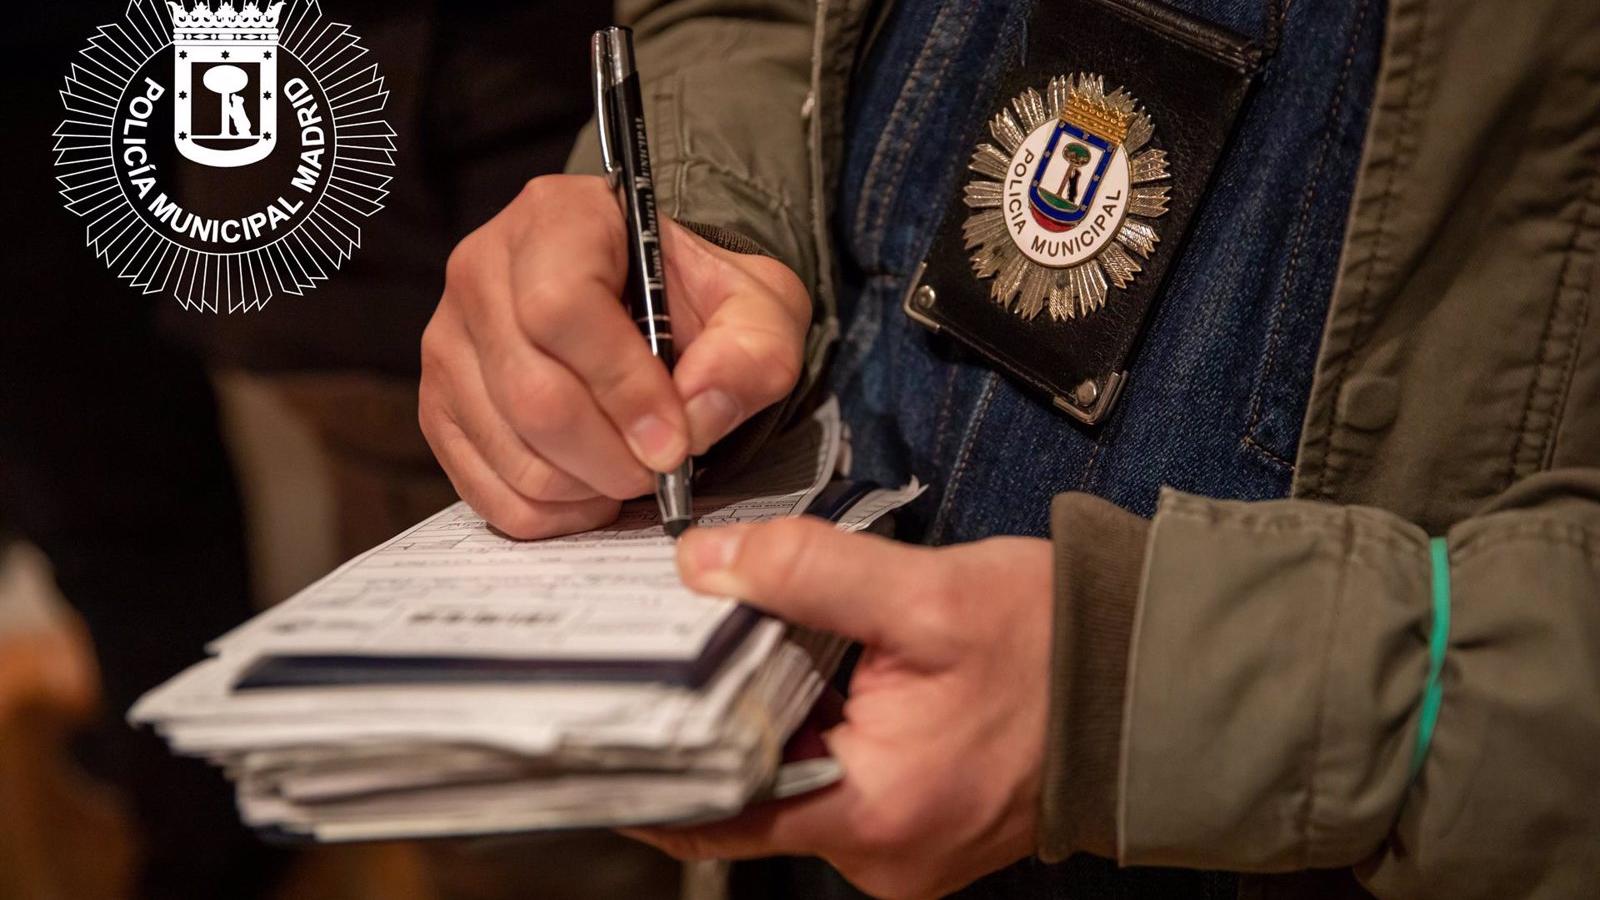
(774,202)
(1319,726)
(1131,684)
(1291,269)
(1403,129)
(1558,415)
(1360,539)
(1589,223)
(668,95)
(1545,532)
(1567,284)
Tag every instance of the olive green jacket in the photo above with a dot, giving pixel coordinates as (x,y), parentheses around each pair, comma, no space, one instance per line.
(1239,685)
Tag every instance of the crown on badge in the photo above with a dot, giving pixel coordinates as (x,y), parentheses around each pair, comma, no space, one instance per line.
(225,23)
(1097,115)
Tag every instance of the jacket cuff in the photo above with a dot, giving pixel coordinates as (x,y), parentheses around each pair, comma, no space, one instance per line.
(1099,555)
(1276,666)
(727,238)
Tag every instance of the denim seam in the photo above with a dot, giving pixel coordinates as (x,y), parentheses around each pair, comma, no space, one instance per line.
(1547,340)
(1291,270)
(1091,465)
(921,86)
(1267,453)
(941,428)
(923,92)
(1364,299)
(979,413)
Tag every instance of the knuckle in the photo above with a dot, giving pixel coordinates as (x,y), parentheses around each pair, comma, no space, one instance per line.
(561,193)
(540,191)
(778,557)
(543,306)
(570,196)
(534,478)
(771,365)
(781,372)
(544,404)
(626,387)
(460,267)
(791,293)
(433,416)
(434,349)
(427,415)
(933,618)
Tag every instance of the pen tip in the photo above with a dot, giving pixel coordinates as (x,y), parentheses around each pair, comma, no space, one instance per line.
(676,527)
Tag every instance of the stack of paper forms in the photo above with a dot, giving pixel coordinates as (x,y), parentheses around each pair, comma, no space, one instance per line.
(452,681)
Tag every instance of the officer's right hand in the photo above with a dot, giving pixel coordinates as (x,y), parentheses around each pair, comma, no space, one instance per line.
(539,396)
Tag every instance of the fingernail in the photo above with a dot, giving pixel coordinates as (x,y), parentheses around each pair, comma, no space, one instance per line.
(706,556)
(712,414)
(656,443)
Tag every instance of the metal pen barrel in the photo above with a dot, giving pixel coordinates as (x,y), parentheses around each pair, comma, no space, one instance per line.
(620,112)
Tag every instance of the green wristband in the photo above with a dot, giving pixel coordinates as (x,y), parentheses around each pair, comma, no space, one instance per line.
(1438,642)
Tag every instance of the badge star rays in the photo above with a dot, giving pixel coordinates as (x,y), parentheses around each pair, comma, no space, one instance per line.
(1022,285)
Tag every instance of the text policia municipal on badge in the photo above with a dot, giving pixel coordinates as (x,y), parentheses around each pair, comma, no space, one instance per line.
(226,231)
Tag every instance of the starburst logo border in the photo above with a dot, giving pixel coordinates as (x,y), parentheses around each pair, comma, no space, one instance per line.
(316,246)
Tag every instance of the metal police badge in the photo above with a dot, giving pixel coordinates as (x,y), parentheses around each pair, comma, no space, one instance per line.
(1070,209)
(225,153)
(1072,184)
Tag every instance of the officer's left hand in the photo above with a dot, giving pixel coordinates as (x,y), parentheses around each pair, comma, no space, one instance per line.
(944,730)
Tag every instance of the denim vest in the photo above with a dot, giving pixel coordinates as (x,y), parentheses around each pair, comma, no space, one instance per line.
(1218,387)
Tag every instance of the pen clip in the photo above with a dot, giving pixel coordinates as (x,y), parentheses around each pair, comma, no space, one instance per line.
(601,66)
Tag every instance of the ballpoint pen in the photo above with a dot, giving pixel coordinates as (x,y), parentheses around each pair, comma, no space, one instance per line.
(625,153)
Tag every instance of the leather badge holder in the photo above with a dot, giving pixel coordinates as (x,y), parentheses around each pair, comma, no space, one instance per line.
(1084,176)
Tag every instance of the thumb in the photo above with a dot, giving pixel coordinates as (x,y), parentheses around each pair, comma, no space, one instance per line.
(807,572)
(746,354)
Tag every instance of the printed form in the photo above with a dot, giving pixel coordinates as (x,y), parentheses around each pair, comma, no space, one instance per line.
(452,586)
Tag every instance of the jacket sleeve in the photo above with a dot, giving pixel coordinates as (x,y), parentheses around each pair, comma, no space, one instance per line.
(1270,663)
(725,87)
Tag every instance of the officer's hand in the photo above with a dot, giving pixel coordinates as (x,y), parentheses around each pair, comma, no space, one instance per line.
(539,396)
(943,737)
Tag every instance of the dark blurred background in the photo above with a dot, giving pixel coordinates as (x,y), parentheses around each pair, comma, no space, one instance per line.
(165,473)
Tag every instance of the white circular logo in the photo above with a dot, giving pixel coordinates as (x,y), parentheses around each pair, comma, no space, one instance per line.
(1062,206)
(222,155)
